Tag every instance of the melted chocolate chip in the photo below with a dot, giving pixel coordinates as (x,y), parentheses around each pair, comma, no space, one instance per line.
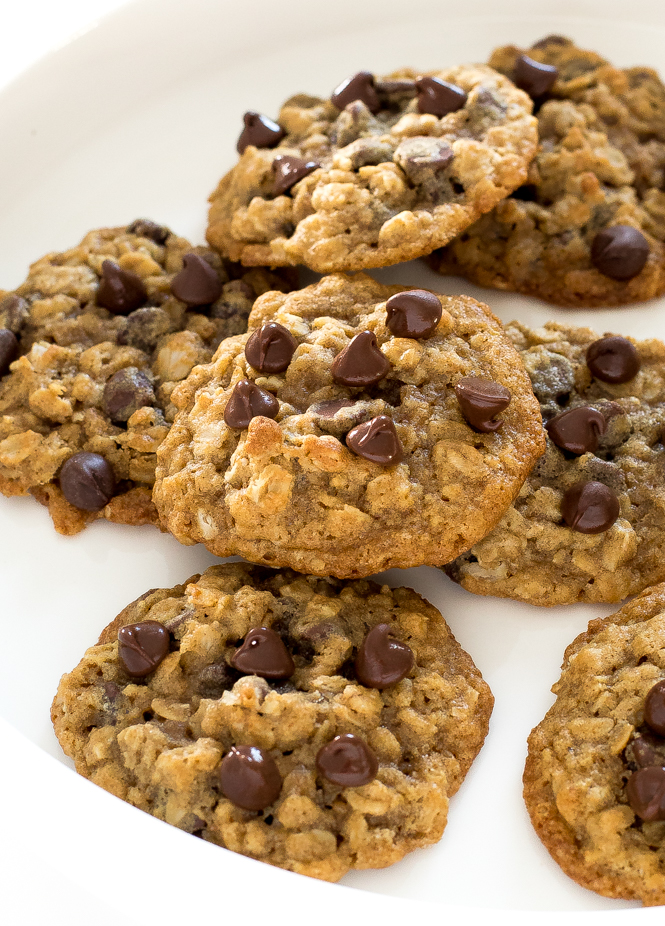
(270,348)
(263,653)
(250,778)
(142,646)
(654,708)
(619,252)
(125,392)
(259,131)
(8,349)
(120,291)
(646,793)
(347,761)
(382,660)
(376,440)
(533,77)
(288,170)
(148,229)
(87,481)
(577,430)
(361,363)
(590,507)
(197,283)
(480,400)
(613,359)
(437,97)
(248,401)
(413,314)
(329,409)
(359,87)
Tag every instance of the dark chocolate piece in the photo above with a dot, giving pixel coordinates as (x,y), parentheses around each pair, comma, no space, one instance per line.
(645,791)
(654,708)
(413,314)
(361,363)
(438,97)
(250,778)
(481,400)
(577,430)
(87,481)
(620,252)
(148,229)
(8,349)
(382,660)
(533,77)
(125,392)
(376,440)
(590,507)
(359,87)
(120,291)
(142,647)
(248,401)
(259,131)
(288,170)
(270,348)
(613,359)
(263,653)
(347,761)
(197,283)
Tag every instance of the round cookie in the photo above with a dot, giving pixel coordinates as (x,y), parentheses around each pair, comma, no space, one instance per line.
(393,168)
(339,478)
(345,774)
(91,346)
(584,780)
(588,226)
(614,439)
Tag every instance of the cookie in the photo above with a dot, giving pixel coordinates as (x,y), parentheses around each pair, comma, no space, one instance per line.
(355,427)
(386,170)
(594,782)
(314,724)
(91,346)
(589,522)
(588,226)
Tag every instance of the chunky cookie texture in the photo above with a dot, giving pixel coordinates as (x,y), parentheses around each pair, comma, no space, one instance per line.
(594,777)
(369,461)
(91,347)
(386,170)
(589,522)
(252,729)
(588,226)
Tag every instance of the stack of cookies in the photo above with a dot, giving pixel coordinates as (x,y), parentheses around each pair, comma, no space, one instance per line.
(289,708)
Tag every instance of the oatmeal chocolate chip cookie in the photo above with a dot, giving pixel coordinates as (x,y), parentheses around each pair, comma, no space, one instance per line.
(588,226)
(314,724)
(386,170)
(594,782)
(331,438)
(589,522)
(91,346)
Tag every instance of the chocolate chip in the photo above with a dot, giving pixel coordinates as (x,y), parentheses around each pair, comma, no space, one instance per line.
(270,348)
(382,660)
(613,359)
(577,430)
(148,229)
(142,646)
(259,131)
(359,87)
(145,327)
(125,392)
(644,753)
(559,40)
(331,408)
(250,778)
(120,291)
(646,793)
(8,349)
(533,77)
(422,158)
(248,401)
(213,680)
(197,283)
(361,363)
(619,252)
(590,507)
(654,708)
(413,314)
(397,87)
(288,170)
(87,481)
(437,97)
(347,761)
(263,653)
(14,312)
(480,400)
(376,441)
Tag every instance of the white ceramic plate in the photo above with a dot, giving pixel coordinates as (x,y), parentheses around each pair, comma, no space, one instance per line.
(139,117)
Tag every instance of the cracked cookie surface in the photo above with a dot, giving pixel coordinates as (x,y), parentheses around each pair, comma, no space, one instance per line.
(586,749)
(600,163)
(89,380)
(287,491)
(533,555)
(389,184)
(159,741)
